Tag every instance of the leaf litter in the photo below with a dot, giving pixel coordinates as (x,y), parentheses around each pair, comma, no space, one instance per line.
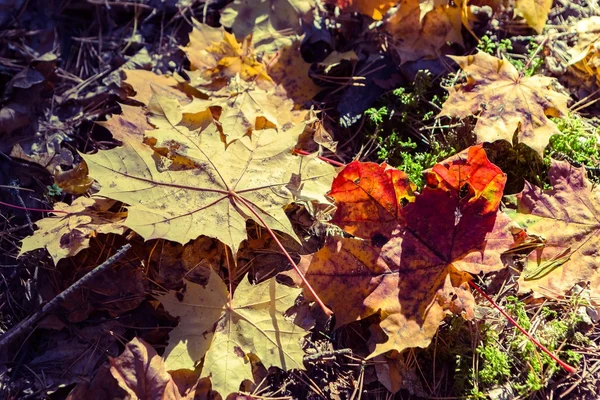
(205,157)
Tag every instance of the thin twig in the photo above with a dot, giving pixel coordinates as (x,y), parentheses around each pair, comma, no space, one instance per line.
(51,306)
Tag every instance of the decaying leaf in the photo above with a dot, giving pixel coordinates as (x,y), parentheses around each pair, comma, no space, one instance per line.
(535,12)
(415,273)
(251,323)
(568,217)
(212,197)
(507,104)
(585,57)
(417,36)
(65,235)
(140,371)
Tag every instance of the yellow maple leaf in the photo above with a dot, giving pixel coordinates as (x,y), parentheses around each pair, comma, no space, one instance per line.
(535,12)
(507,102)
(65,235)
(217,56)
(254,177)
(251,323)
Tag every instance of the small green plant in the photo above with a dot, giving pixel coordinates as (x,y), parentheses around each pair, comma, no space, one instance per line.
(404,110)
(495,361)
(579,141)
(54,190)
(503,47)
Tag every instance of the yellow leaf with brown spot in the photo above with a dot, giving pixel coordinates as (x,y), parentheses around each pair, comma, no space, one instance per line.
(65,235)
(506,103)
(221,187)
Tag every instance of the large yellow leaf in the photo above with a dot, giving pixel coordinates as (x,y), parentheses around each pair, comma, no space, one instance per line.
(507,103)
(252,323)
(65,235)
(255,177)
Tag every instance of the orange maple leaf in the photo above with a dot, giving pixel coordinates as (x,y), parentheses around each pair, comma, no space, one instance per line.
(416,272)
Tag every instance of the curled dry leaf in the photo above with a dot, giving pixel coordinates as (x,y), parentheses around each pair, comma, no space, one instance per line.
(506,102)
(415,272)
(252,323)
(140,371)
(65,235)
(568,217)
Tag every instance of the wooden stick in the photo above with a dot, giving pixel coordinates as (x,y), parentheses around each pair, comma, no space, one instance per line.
(27,324)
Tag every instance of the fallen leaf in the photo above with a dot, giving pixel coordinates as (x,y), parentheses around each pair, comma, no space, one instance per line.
(415,273)
(252,323)
(253,171)
(535,12)
(198,312)
(144,82)
(272,23)
(65,235)
(506,102)
(416,36)
(374,9)
(74,181)
(585,58)
(370,197)
(218,56)
(568,218)
(289,70)
(132,122)
(140,371)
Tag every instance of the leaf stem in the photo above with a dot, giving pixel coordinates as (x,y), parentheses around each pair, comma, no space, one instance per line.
(329,160)
(33,209)
(563,364)
(326,310)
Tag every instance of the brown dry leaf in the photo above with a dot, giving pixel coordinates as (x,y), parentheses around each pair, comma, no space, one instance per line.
(140,371)
(49,159)
(65,235)
(506,102)
(535,12)
(251,324)
(568,217)
(217,56)
(585,55)
(216,195)
(416,36)
(414,273)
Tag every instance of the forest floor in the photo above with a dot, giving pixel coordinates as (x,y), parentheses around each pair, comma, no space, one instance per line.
(370,81)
